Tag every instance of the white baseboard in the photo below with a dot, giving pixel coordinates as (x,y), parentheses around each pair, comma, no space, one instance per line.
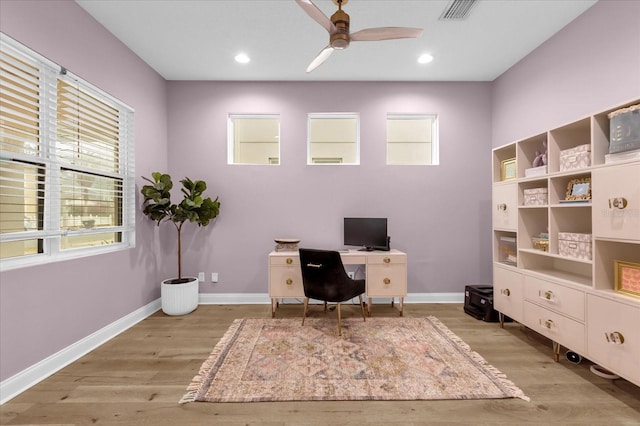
(30,376)
(263,298)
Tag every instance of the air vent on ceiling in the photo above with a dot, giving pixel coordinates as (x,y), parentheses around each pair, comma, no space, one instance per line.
(458,10)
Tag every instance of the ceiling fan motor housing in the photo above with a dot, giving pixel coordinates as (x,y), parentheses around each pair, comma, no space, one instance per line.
(340,38)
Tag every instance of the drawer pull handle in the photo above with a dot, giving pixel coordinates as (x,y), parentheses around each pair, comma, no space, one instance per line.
(387,260)
(617,203)
(502,206)
(289,281)
(505,292)
(387,281)
(548,295)
(289,261)
(614,337)
(548,323)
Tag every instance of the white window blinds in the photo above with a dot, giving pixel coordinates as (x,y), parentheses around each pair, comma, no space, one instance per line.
(66,163)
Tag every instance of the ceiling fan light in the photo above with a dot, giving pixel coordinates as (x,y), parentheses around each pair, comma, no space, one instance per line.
(425,58)
(242,58)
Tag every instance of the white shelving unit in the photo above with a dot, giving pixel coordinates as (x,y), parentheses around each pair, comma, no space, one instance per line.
(572,301)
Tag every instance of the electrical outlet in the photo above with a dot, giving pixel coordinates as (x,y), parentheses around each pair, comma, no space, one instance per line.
(214,277)
(201,277)
(351,274)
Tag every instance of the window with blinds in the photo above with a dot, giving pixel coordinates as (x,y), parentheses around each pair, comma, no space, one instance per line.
(66,163)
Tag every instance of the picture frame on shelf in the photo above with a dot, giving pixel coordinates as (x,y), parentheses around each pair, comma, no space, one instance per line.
(508,169)
(627,277)
(579,189)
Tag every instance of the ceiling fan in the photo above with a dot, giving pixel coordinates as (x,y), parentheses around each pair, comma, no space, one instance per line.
(339,35)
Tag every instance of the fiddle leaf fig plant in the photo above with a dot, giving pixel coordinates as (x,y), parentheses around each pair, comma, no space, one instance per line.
(158,207)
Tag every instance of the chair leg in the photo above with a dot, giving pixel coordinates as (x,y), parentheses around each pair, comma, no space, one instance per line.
(306,305)
(364,317)
(325,306)
(339,321)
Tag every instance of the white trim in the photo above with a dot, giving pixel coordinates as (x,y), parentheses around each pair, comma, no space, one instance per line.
(263,298)
(34,374)
(20,382)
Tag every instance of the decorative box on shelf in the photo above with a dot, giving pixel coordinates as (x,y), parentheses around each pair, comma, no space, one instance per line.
(624,129)
(535,171)
(541,244)
(536,197)
(578,157)
(577,245)
(508,251)
(619,157)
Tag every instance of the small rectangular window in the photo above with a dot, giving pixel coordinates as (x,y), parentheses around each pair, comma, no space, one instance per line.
(334,139)
(412,139)
(254,139)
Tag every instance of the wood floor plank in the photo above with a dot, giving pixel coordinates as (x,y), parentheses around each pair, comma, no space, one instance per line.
(138,378)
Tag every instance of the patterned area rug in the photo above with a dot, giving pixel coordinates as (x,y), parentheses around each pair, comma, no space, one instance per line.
(380,359)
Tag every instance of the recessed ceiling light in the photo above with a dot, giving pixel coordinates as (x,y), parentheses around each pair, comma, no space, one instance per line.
(242,58)
(425,58)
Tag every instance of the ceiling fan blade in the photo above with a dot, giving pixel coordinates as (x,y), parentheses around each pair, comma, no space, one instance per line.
(317,15)
(322,56)
(385,33)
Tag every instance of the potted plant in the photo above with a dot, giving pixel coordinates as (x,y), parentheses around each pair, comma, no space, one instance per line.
(179,295)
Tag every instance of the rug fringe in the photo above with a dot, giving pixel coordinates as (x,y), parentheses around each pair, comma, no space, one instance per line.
(198,381)
(476,357)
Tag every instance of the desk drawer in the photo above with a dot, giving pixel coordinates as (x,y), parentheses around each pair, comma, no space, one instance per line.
(385,280)
(285,260)
(387,259)
(285,281)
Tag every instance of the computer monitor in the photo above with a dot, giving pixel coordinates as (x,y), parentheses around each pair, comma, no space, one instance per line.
(366,232)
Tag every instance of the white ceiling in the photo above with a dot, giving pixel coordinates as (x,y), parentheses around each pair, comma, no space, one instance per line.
(198,39)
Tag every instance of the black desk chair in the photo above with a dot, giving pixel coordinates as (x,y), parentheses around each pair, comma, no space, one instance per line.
(324,278)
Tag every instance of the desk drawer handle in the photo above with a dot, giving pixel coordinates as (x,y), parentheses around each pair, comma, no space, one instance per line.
(547,295)
(502,206)
(614,337)
(548,323)
(617,203)
(387,260)
(289,261)
(506,292)
(289,281)
(387,281)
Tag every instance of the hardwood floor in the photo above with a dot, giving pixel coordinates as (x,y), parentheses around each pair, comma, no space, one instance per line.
(138,378)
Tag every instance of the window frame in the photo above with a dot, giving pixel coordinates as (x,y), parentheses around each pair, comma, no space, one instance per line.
(435,137)
(332,160)
(50,231)
(231,139)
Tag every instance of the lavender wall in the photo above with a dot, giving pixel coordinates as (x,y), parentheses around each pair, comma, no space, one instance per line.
(591,65)
(46,308)
(439,215)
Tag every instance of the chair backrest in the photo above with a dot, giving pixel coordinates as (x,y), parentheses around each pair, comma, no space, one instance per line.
(324,276)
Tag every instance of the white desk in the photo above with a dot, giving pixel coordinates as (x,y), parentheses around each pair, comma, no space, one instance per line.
(385,275)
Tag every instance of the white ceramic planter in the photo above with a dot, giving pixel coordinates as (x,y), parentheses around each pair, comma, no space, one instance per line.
(179,299)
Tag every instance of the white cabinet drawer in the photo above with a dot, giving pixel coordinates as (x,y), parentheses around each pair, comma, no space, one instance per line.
(555,297)
(560,329)
(505,206)
(618,354)
(616,202)
(385,280)
(285,281)
(507,292)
